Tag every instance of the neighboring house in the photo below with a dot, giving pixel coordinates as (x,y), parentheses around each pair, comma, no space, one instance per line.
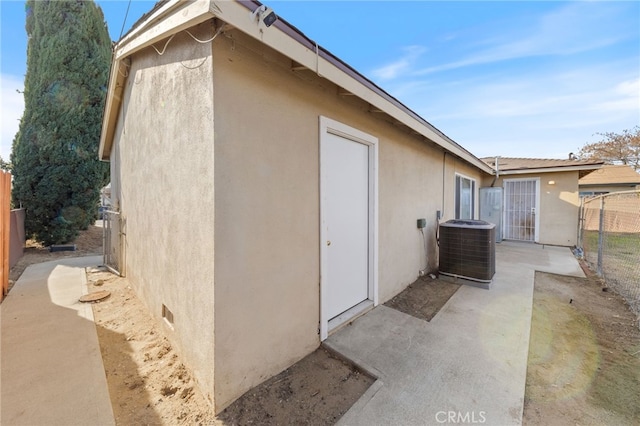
(541,200)
(270,192)
(609,178)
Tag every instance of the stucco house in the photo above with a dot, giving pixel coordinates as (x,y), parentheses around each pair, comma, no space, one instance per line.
(268,192)
(609,178)
(541,199)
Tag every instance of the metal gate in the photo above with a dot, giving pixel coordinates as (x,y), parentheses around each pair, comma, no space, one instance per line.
(520,209)
(113,236)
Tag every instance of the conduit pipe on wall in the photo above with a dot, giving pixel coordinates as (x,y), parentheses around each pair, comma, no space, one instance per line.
(144,35)
(497,174)
(444,166)
(422,272)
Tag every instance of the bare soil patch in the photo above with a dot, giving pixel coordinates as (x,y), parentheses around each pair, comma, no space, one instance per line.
(424,298)
(584,355)
(149,384)
(317,390)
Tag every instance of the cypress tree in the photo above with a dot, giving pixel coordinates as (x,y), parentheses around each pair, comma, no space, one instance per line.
(57,174)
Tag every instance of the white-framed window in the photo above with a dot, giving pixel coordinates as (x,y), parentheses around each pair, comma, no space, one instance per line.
(465,202)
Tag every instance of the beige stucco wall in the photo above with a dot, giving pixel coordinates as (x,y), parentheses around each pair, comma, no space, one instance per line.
(216,169)
(162,181)
(559,204)
(267,208)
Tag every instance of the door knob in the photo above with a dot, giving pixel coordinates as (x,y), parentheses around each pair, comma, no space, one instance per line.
(328,242)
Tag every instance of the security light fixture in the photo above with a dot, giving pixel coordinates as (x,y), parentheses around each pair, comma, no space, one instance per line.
(264,15)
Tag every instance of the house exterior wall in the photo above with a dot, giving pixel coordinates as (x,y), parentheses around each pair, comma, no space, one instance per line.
(267,244)
(559,204)
(162,182)
(215,169)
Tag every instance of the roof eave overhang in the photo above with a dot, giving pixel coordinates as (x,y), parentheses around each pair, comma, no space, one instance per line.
(589,167)
(159,25)
(630,184)
(280,37)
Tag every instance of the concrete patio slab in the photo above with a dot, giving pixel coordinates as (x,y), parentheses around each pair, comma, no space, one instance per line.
(50,362)
(469,364)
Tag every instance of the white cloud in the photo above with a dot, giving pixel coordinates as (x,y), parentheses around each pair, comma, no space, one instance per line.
(629,88)
(532,114)
(534,85)
(577,27)
(402,65)
(11,108)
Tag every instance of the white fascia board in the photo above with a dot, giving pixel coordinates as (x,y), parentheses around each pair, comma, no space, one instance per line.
(169,6)
(548,170)
(117,79)
(239,16)
(191,14)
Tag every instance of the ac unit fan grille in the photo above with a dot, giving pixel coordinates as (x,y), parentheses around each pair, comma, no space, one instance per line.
(467,249)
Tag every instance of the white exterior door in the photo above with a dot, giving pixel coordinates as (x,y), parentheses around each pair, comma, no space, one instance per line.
(348,221)
(521,200)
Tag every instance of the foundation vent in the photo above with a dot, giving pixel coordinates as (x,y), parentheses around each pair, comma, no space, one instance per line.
(167,315)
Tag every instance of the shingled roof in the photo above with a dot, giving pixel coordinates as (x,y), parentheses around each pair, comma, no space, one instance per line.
(611,174)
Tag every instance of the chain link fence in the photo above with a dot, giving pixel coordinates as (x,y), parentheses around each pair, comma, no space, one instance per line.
(610,237)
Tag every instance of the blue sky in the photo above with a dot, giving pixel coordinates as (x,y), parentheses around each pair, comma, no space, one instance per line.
(510,78)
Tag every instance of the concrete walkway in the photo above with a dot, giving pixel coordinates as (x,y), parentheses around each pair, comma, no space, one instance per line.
(468,365)
(51,367)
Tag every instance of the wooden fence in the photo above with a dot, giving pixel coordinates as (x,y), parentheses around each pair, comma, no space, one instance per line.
(5,232)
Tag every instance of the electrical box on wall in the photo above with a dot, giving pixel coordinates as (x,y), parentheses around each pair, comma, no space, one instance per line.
(422,223)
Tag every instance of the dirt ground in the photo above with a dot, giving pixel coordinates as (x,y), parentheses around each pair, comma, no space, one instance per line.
(424,298)
(318,390)
(584,355)
(584,359)
(149,384)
